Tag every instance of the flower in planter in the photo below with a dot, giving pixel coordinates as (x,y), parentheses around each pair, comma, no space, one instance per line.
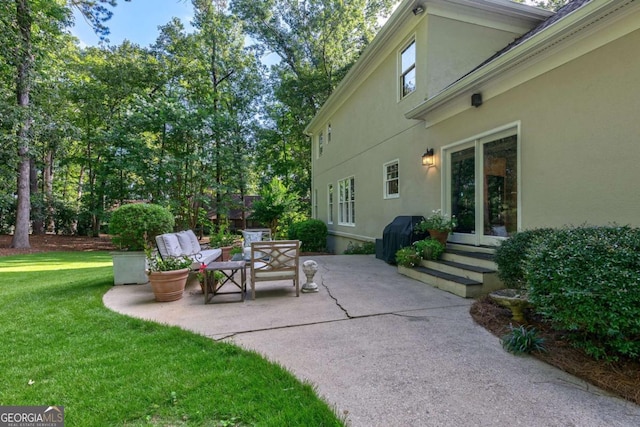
(438,222)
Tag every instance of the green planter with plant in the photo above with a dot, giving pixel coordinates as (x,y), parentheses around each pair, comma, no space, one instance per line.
(133,227)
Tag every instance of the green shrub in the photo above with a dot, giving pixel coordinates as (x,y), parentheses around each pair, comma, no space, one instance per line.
(312,234)
(586,280)
(510,256)
(408,257)
(365,248)
(136,225)
(522,340)
(429,248)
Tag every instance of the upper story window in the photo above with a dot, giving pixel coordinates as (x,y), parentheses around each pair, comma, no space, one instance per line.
(391,172)
(320,144)
(408,69)
(347,201)
(329,133)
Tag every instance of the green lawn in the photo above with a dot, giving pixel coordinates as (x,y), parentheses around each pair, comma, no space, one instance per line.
(61,346)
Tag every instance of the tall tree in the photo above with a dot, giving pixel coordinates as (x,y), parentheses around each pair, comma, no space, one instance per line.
(50,16)
(316,42)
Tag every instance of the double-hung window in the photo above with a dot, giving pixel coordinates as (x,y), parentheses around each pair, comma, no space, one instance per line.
(391,173)
(330,204)
(347,201)
(320,144)
(408,69)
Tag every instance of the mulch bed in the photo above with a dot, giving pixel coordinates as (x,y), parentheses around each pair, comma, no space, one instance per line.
(53,242)
(621,378)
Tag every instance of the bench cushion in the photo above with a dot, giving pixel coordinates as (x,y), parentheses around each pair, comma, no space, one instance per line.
(168,245)
(188,242)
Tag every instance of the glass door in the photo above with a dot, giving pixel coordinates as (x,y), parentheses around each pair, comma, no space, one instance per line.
(481,188)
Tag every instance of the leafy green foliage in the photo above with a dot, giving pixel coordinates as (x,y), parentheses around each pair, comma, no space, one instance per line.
(522,340)
(312,234)
(510,256)
(436,221)
(275,200)
(408,257)
(586,280)
(429,248)
(135,226)
(364,248)
(157,263)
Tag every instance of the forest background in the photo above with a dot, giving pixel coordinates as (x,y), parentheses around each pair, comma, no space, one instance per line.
(195,121)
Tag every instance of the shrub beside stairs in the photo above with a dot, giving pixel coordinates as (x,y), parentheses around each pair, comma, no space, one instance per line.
(463,270)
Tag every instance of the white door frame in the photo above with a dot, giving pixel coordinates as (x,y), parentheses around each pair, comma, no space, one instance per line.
(477,141)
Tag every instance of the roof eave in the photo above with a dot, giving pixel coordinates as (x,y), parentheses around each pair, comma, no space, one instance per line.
(520,53)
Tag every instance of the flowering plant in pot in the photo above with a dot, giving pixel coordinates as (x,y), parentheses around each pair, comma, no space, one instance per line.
(438,225)
(168,276)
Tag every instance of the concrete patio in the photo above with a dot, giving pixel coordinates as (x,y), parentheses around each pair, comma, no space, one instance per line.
(386,350)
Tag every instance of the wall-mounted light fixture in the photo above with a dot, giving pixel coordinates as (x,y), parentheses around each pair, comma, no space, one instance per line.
(428,158)
(476,100)
(418,10)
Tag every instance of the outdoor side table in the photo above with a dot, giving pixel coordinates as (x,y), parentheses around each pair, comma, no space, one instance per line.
(228,270)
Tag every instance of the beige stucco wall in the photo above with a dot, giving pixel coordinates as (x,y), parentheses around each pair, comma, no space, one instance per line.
(580,143)
(580,138)
(370,129)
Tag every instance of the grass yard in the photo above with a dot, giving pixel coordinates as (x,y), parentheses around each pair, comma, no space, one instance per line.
(61,346)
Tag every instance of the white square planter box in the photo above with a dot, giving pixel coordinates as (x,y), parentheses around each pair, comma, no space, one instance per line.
(129,268)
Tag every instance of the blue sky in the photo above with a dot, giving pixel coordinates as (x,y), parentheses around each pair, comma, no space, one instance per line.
(136,21)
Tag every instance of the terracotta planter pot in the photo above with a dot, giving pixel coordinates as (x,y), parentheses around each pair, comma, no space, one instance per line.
(440,236)
(226,253)
(168,285)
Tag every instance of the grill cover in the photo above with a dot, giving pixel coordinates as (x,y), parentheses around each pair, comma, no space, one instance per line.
(398,234)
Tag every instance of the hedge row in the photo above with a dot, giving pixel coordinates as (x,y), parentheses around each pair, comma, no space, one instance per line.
(585,280)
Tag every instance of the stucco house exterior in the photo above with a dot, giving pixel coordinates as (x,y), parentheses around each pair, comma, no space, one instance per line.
(533,119)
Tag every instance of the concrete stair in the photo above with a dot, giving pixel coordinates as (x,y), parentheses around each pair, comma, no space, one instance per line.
(466,271)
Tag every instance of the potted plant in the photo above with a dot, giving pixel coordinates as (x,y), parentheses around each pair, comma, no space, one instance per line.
(133,227)
(168,276)
(224,240)
(438,225)
(429,249)
(217,276)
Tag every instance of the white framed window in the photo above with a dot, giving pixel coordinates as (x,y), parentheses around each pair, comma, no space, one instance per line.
(320,144)
(329,134)
(408,69)
(347,201)
(330,203)
(391,176)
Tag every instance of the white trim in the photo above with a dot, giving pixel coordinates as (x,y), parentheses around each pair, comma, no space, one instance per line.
(476,141)
(386,195)
(565,40)
(351,235)
(350,209)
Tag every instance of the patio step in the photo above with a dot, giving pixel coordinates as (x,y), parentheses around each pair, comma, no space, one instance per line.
(466,273)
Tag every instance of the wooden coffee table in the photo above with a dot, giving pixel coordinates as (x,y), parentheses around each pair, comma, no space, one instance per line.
(228,270)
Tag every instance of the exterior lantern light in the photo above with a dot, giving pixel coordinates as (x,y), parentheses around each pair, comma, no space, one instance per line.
(428,158)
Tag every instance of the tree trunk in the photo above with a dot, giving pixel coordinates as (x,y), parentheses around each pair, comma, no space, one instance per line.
(23,87)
